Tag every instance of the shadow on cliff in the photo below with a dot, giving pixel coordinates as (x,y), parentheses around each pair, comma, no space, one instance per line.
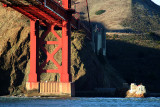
(133,63)
(96,74)
(136,64)
(94,77)
(4,82)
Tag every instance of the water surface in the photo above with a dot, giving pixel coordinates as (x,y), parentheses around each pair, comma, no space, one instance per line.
(79,102)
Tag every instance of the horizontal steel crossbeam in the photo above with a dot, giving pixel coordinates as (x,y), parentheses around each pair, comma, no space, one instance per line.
(47,11)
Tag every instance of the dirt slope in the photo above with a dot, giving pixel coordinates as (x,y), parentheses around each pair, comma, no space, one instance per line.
(132,15)
(116,11)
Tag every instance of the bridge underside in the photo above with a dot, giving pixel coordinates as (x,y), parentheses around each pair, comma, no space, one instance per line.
(50,14)
(46,11)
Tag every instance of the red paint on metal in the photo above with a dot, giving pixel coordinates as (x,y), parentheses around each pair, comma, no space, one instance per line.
(66,33)
(40,13)
(63,43)
(29,15)
(34,34)
(66,4)
(43,13)
(57,8)
(4,5)
(24,12)
(50,56)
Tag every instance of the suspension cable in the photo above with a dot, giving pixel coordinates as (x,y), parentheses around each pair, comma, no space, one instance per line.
(88,16)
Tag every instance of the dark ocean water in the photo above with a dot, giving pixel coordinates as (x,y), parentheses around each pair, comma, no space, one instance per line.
(79,102)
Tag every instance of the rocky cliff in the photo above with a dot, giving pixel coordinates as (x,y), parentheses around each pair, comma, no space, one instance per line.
(88,70)
(134,58)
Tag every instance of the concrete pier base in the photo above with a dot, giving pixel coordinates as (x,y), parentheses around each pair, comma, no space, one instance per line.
(32,86)
(57,89)
(50,89)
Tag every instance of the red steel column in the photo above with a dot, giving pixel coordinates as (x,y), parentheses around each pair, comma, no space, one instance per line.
(34,35)
(66,44)
(66,4)
(66,63)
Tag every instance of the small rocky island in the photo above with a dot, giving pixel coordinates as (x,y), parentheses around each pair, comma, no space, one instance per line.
(136,91)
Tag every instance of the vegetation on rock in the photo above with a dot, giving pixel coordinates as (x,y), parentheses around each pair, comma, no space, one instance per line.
(144,17)
(99,12)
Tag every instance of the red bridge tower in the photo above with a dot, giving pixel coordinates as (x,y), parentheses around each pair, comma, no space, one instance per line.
(48,13)
(64,86)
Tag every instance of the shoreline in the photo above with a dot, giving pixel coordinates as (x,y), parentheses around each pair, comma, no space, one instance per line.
(37,97)
(79,94)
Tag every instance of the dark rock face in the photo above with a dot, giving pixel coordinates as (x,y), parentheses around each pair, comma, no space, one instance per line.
(14,50)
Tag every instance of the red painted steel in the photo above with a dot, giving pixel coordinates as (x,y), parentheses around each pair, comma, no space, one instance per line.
(34,34)
(50,56)
(63,43)
(56,13)
(4,5)
(29,15)
(66,4)
(66,40)
(65,51)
